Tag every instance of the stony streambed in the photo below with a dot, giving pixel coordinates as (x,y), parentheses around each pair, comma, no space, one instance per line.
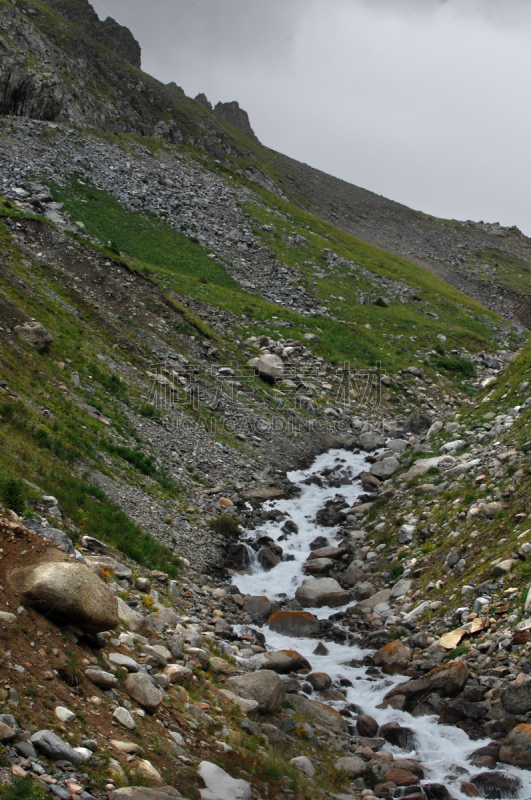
(443,751)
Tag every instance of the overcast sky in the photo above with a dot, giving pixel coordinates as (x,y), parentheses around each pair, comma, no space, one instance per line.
(424,102)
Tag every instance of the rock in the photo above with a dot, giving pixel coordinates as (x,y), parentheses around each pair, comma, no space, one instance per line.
(370,441)
(280,661)
(319,680)
(64,714)
(374,600)
(246,705)
(367,726)
(516,697)
(353,575)
(7,617)
(352,765)
(123,716)
(267,366)
(265,687)
(492,509)
(401,737)
(319,592)
(231,112)
(141,690)
(319,713)
(94,545)
(503,568)
(267,558)
(167,615)
(53,747)
(400,589)
(143,585)
(294,623)
(424,464)
(418,423)
(446,681)
(319,566)
(105,680)
(516,749)
(263,495)
(147,771)
(34,334)
(143,793)
(396,445)
(496,785)
(7,733)
(70,592)
(304,765)
(220,785)
(131,619)
(259,607)
(179,675)
(120,660)
(393,658)
(55,535)
(452,639)
(385,468)
(401,777)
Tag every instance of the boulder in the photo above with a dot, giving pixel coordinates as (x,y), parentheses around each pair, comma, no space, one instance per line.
(495,785)
(395,734)
(370,441)
(294,623)
(179,675)
(516,749)
(36,335)
(50,745)
(126,662)
(105,680)
(319,713)
(385,468)
(264,686)
(400,589)
(367,726)
(123,716)
(280,661)
(393,658)
(374,600)
(319,592)
(516,697)
(6,733)
(304,765)
(259,607)
(320,681)
(353,575)
(263,495)
(353,766)
(143,793)
(401,777)
(445,681)
(131,620)
(319,566)
(503,568)
(167,615)
(220,785)
(70,592)
(140,689)
(268,366)
(418,423)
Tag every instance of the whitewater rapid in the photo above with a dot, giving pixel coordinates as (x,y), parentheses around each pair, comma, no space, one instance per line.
(443,750)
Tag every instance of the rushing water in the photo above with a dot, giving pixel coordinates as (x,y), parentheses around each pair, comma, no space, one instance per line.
(443,750)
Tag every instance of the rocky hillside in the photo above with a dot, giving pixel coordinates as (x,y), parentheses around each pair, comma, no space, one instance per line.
(105,89)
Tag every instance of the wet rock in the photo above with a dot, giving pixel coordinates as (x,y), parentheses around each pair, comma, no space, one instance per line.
(320,681)
(395,734)
(70,592)
(264,687)
(367,726)
(319,713)
(436,791)
(281,661)
(496,785)
(220,785)
(267,558)
(319,592)
(445,681)
(516,749)
(259,607)
(401,777)
(319,566)
(294,623)
(393,658)
(321,650)
(36,335)
(141,690)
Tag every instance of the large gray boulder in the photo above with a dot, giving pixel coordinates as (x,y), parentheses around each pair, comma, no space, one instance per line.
(354,766)
(318,592)
(53,747)
(516,697)
(319,713)
(220,785)
(371,441)
(139,688)
(131,619)
(34,334)
(267,366)
(385,468)
(265,687)
(105,680)
(68,591)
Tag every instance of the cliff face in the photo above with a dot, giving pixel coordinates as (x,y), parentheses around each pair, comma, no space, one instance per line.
(231,112)
(109,33)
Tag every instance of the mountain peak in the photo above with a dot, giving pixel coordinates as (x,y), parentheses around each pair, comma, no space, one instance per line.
(231,112)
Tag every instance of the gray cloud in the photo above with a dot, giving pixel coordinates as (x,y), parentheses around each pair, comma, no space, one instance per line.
(422,102)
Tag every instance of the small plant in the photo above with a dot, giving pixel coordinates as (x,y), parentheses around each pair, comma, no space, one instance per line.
(381,302)
(396,571)
(30,689)
(12,494)
(22,789)
(370,777)
(462,650)
(225,525)
(400,633)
